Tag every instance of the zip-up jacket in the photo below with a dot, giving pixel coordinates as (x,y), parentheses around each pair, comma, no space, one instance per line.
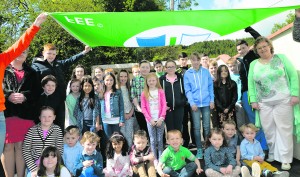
(27,87)
(116,106)
(43,68)
(198,86)
(175,96)
(246,60)
(12,53)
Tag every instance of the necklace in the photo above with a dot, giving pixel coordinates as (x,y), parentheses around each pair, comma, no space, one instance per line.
(265,62)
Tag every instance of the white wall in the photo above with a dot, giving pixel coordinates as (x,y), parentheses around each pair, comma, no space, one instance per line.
(284,43)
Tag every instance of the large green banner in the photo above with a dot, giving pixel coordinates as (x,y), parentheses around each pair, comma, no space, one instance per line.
(163,28)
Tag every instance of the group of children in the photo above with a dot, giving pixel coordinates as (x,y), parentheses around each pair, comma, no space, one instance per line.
(100,105)
(224,153)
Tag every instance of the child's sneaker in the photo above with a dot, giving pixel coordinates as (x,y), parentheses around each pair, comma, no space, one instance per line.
(199,154)
(266,173)
(245,172)
(256,171)
(281,174)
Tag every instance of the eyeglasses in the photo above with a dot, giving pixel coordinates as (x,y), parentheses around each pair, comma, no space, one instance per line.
(263,47)
(171,67)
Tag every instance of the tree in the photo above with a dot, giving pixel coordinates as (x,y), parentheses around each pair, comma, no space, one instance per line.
(289,19)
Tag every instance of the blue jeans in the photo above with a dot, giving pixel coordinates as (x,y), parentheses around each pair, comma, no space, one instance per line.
(89,172)
(156,135)
(186,171)
(110,129)
(2,131)
(204,113)
(260,136)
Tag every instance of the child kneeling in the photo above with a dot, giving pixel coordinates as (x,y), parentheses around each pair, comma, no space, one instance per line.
(141,156)
(172,161)
(90,162)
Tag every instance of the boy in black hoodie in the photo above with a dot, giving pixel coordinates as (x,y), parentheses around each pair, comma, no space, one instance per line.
(51,97)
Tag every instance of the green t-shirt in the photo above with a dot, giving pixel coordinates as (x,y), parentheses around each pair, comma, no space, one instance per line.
(159,74)
(176,160)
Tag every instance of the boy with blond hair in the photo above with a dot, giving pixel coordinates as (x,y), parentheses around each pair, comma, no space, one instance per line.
(252,152)
(72,147)
(135,70)
(241,115)
(90,162)
(172,161)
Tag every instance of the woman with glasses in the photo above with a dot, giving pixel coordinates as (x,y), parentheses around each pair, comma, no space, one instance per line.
(172,83)
(274,94)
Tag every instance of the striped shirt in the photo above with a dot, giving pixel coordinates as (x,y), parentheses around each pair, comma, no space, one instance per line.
(34,143)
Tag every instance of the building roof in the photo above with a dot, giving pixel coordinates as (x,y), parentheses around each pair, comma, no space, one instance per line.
(283,29)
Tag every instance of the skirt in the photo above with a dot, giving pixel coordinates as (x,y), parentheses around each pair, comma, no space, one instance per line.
(16,129)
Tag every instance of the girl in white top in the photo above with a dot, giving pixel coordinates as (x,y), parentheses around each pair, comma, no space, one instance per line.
(117,162)
(130,120)
(50,165)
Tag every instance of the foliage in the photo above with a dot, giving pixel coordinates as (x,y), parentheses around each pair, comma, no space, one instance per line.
(289,19)
(182,4)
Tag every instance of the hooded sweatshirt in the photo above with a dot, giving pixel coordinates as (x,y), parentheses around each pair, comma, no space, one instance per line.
(198,86)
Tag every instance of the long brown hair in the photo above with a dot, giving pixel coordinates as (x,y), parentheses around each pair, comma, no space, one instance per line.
(146,87)
(127,83)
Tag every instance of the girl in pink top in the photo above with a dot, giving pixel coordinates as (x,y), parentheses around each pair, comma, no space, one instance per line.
(153,103)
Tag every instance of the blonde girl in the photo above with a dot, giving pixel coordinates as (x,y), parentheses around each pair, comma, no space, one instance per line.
(153,103)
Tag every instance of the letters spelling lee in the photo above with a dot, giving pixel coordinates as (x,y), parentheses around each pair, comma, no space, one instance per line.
(81,21)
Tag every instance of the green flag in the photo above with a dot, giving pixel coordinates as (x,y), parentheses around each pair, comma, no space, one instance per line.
(163,28)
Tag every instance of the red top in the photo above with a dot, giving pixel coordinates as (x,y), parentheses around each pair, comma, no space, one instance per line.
(12,53)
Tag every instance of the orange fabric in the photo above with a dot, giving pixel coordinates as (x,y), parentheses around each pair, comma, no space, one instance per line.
(13,52)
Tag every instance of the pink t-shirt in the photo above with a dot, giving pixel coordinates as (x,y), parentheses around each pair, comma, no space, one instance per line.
(171,79)
(19,74)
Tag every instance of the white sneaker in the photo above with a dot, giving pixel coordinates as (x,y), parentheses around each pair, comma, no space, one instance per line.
(281,174)
(245,172)
(285,166)
(270,158)
(256,171)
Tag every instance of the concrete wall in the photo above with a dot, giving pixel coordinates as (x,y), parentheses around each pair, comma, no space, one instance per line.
(284,43)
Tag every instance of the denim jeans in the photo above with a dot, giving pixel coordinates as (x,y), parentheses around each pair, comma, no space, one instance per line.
(89,172)
(186,171)
(260,135)
(110,129)
(2,131)
(156,139)
(204,113)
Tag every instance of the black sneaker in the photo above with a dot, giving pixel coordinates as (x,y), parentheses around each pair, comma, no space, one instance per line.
(266,173)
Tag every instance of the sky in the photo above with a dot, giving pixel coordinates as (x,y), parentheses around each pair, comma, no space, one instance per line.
(264,27)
